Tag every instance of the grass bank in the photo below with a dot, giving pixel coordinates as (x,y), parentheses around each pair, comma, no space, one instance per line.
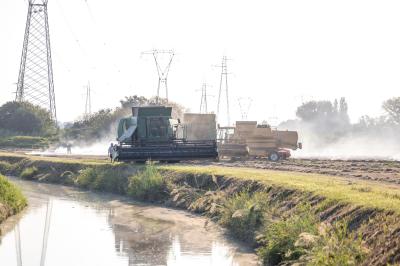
(11,199)
(286,217)
(368,194)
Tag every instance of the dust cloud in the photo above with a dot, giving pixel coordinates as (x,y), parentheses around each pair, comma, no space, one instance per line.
(353,144)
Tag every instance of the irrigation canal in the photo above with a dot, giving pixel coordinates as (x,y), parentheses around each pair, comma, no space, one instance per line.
(64,226)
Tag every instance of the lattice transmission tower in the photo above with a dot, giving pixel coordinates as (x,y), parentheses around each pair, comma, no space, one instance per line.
(35,80)
(245,105)
(162,69)
(223,86)
(203,101)
(88,102)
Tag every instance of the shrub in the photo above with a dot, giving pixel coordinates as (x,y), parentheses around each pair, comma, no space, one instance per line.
(86,177)
(243,214)
(280,236)
(11,196)
(338,247)
(29,172)
(106,179)
(147,184)
(5,167)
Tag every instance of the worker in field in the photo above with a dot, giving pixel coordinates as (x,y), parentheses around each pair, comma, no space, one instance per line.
(110,151)
(69,148)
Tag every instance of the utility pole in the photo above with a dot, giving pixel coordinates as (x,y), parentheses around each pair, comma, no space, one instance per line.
(88,102)
(223,86)
(162,69)
(35,79)
(244,105)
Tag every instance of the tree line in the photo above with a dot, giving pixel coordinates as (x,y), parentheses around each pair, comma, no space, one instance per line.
(327,122)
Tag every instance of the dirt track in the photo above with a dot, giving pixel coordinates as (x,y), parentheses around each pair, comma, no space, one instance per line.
(384,171)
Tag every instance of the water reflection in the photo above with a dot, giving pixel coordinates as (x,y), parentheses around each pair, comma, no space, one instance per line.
(86,229)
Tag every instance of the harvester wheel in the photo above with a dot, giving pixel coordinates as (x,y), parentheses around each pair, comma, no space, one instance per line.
(273,156)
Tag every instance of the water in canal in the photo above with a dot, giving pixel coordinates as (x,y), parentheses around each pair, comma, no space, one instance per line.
(67,227)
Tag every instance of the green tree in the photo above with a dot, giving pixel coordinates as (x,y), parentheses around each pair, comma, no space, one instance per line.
(392,108)
(135,100)
(343,111)
(327,120)
(315,110)
(25,119)
(128,102)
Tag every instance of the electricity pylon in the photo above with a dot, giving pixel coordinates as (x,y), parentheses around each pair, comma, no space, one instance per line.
(203,101)
(224,84)
(244,105)
(88,102)
(162,70)
(35,79)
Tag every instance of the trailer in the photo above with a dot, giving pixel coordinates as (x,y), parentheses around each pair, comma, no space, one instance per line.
(249,139)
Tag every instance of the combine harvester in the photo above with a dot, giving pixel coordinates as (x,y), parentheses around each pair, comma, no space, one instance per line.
(152,134)
(259,141)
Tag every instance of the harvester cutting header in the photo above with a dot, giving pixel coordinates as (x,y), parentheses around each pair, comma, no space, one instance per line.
(152,134)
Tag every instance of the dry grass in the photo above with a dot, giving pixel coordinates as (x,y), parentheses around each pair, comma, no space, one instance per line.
(357,192)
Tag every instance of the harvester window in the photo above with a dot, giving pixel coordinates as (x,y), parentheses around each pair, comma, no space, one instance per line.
(157,127)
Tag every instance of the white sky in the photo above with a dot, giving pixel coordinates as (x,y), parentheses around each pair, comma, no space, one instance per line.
(281,51)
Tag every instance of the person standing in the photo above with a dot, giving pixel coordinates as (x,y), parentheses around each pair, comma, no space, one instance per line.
(69,148)
(110,152)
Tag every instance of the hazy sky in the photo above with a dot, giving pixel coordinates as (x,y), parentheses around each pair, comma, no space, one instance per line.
(283,52)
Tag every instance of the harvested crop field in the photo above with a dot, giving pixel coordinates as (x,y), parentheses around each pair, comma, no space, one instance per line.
(375,170)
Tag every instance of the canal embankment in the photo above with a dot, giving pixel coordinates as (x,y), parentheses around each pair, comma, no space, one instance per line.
(11,199)
(286,217)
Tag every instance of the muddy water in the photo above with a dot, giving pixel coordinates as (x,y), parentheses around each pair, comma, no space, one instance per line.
(64,226)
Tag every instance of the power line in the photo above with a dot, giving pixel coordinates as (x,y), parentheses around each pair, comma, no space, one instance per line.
(102,40)
(78,41)
(74,36)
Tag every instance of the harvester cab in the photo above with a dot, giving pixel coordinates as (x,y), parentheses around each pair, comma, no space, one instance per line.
(152,134)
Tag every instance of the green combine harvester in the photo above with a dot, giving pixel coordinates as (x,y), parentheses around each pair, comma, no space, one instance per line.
(152,134)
